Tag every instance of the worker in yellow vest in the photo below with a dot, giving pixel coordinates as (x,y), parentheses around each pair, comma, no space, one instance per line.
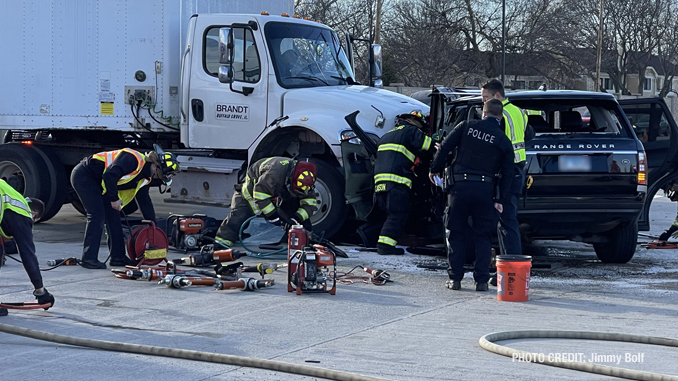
(17,215)
(516,128)
(108,181)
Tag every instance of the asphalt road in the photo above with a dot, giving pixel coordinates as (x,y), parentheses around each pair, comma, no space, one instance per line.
(411,329)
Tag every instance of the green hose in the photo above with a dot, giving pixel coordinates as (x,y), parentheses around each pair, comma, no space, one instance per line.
(277,254)
(487,342)
(185,354)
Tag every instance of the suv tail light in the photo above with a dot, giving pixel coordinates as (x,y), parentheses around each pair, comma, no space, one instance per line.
(642,169)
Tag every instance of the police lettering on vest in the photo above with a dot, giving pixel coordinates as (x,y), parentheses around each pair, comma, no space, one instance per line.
(480,135)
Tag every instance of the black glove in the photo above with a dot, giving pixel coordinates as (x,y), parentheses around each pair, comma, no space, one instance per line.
(45,298)
(307,225)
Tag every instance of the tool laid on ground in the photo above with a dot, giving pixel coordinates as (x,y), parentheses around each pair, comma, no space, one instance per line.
(245,284)
(658,244)
(147,245)
(263,268)
(209,257)
(179,281)
(146,274)
(377,277)
(191,232)
(63,262)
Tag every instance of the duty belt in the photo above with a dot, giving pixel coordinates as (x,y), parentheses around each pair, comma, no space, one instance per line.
(467,177)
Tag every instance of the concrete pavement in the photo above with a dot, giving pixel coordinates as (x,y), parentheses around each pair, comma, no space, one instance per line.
(411,329)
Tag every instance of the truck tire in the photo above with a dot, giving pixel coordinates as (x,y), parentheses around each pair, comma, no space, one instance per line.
(621,245)
(329,191)
(58,182)
(24,168)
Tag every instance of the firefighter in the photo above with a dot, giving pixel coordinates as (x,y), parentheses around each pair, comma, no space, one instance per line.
(17,215)
(108,181)
(396,155)
(515,128)
(482,152)
(279,188)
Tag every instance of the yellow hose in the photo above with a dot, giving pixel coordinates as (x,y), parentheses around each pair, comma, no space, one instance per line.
(487,342)
(250,362)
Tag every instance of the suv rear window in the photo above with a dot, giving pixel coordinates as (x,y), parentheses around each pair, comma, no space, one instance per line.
(547,117)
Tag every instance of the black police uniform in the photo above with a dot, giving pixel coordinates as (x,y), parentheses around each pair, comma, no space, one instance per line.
(483,150)
(396,155)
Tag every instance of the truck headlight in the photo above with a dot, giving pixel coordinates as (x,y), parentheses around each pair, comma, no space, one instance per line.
(349,136)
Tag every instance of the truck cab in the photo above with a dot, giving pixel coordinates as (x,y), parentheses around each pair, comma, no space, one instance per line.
(259,85)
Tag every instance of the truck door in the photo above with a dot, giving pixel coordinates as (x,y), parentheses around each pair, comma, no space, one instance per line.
(223,115)
(656,128)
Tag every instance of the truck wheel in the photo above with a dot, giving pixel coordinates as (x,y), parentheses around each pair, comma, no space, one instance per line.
(58,182)
(24,168)
(329,193)
(621,245)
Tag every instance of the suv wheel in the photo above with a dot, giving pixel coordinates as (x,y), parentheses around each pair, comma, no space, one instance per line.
(621,245)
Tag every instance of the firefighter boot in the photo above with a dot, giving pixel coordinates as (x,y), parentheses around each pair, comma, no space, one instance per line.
(383,249)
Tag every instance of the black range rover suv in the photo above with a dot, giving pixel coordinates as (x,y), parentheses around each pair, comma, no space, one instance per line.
(589,179)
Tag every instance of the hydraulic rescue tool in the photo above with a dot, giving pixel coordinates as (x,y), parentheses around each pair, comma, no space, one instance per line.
(209,257)
(378,277)
(245,284)
(188,232)
(236,269)
(310,268)
(147,245)
(63,262)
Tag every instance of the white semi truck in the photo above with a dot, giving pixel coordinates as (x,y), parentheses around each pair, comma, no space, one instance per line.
(220,83)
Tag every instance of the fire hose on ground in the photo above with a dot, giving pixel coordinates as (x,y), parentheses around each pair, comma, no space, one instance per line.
(185,354)
(487,342)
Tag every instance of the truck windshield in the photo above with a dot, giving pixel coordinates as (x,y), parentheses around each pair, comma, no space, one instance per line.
(306,56)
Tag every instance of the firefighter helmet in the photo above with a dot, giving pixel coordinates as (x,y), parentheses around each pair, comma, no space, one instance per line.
(303,178)
(415,118)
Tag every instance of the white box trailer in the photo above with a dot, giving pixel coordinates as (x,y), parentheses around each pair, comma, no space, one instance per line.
(80,77)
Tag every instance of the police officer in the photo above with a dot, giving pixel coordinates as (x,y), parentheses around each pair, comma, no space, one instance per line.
(515,128)
(280,188)
(396,155)
(482,152)
(17,215)
(108,181)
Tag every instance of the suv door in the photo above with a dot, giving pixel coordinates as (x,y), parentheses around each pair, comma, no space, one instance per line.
(656,128)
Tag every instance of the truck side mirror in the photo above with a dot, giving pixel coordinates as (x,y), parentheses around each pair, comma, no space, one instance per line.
(225,46)
(375,66)
(348,41)
(226,55)
(225,74)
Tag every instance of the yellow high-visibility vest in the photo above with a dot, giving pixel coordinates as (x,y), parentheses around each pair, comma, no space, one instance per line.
(14,201)
(127,195)
(516,122)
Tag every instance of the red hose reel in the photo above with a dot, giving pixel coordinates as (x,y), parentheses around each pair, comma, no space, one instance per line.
(147,245)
